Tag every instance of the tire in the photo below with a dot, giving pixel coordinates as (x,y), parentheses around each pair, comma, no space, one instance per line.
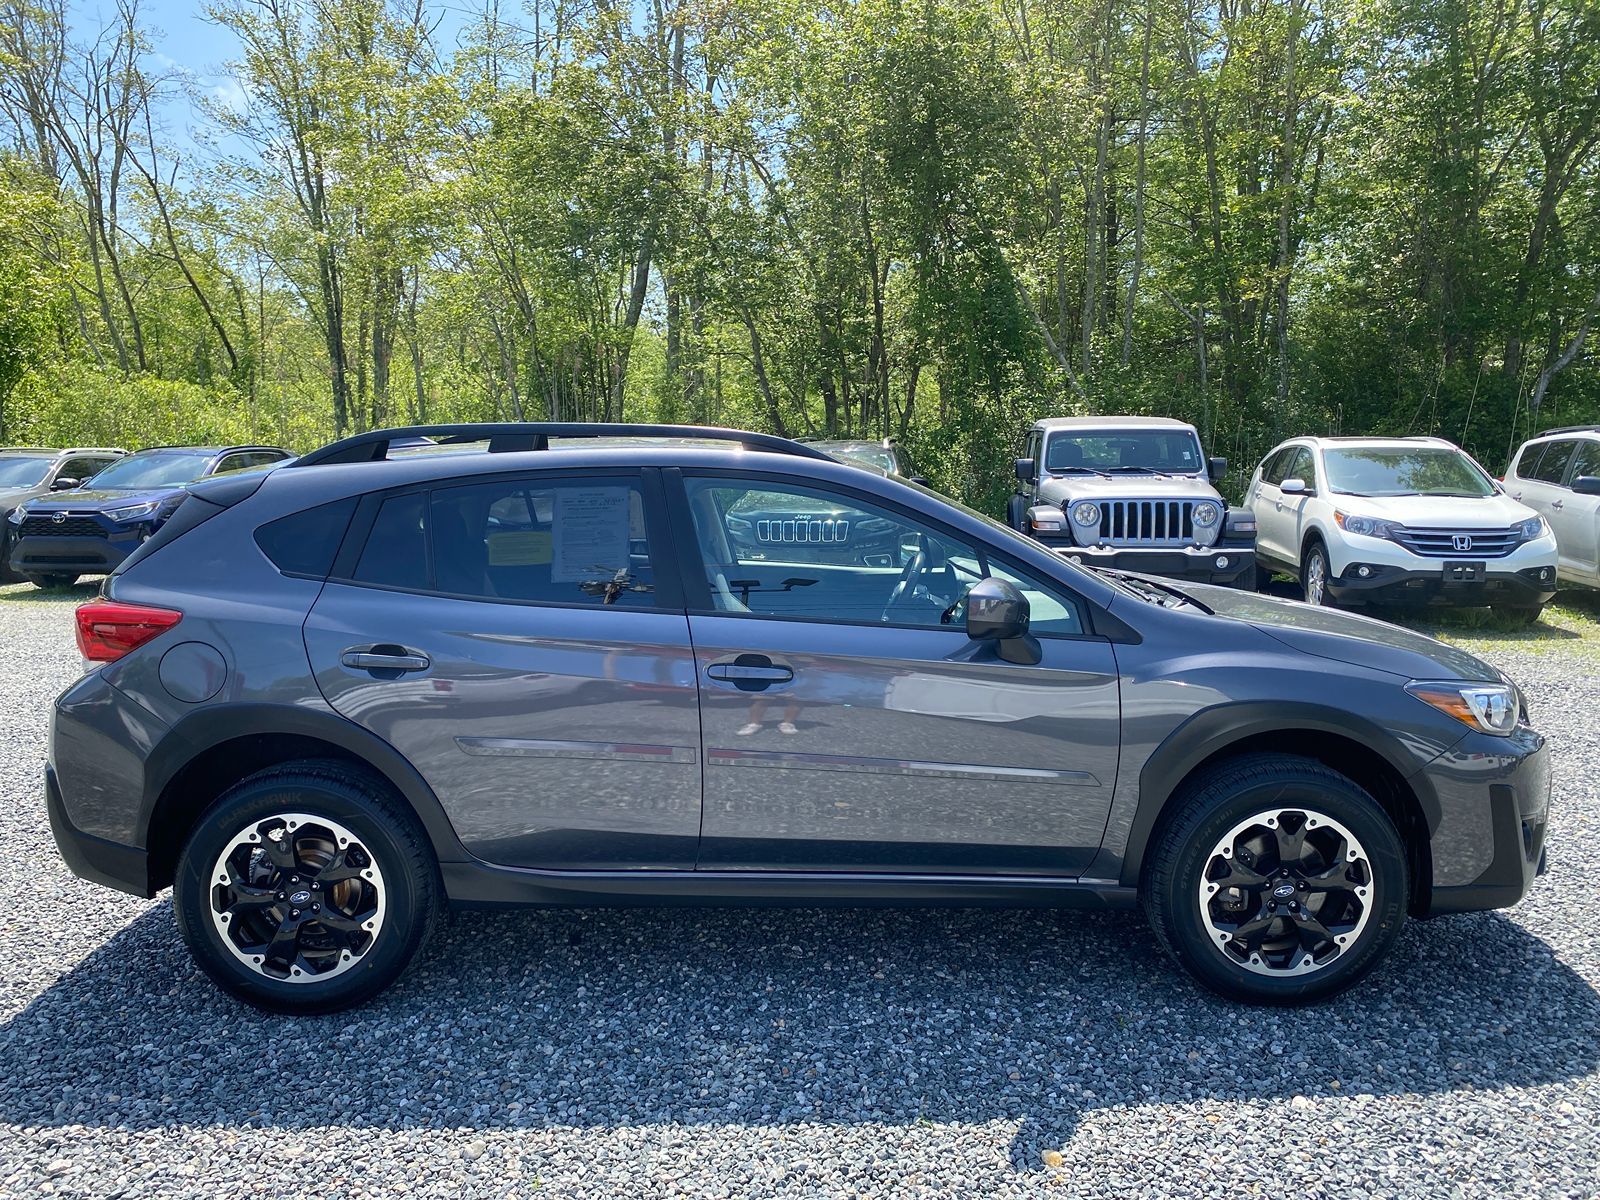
(1315,557)
(1517,614)
(386,893)
(1368,902)
(51,581)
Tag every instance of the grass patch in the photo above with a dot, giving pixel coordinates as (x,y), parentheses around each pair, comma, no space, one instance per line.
(1570,623)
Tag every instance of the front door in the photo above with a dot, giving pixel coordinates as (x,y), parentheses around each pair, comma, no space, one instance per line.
(1575,518)
(849,723)
(509,638)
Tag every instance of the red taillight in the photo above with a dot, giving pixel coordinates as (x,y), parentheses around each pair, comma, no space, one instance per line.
(108,630)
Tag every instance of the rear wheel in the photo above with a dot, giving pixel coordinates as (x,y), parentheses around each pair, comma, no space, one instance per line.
(306,888)
(1278,881)
(52,581)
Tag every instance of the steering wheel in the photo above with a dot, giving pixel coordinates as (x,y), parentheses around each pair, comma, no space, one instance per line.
(913,568)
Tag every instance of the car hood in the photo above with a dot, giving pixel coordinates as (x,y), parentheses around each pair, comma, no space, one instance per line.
(1345,637)
(1438,512)
(1057,489)
(102,497)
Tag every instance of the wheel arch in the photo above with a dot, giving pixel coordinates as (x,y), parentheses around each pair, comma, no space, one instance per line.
(214,748)
(1356,748)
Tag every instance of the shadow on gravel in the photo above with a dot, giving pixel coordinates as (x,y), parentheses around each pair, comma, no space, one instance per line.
(765,1017)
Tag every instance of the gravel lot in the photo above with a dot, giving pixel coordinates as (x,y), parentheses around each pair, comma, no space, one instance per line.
(755,1053)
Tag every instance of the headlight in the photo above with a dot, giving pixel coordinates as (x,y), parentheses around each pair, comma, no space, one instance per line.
(1086,513)
(1486,707)
(1365,526)
(1533,527)
(17,515)
(1207,514)
(133,512)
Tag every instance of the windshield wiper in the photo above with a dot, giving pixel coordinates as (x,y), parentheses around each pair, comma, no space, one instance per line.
(1072,470)
(1146,470)
(1152,592)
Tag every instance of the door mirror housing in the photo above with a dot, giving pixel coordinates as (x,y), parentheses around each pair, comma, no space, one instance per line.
(996,611)
(1586,485)
(1027,470)
(64,483)
(1216,468)
(1294,487)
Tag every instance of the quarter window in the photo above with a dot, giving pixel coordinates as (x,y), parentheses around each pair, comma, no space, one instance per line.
(780,550)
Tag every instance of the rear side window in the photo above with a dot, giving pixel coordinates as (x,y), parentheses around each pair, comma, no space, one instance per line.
(305,543)
(531,541)
(1551,462)
(1272,469)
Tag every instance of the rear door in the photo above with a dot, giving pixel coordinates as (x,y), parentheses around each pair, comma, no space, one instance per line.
(1268,507)
(1537,474)
(522,642)
(848,721)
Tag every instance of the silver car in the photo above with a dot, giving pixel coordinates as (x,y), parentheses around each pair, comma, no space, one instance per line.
(555,669)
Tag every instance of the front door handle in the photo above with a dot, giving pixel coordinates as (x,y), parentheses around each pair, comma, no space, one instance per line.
(385,658)
(750,672)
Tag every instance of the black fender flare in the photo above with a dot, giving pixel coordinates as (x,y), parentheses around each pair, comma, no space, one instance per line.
(1215,729)
(206,728)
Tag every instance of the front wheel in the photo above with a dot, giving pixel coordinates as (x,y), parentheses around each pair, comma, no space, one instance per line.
(1314,575)
(1517,614)
(306,888)
(1278,881)
(52,581)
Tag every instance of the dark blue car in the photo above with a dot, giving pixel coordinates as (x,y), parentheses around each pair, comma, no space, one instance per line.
(88,531)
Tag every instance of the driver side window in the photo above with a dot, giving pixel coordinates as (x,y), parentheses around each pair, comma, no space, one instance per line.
(787,550)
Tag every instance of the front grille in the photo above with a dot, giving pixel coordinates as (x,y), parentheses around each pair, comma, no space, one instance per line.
(71,527)
(1147,522)
(831,531)
(1443,543)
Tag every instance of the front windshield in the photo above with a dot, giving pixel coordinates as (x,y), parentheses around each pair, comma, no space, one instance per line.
(164,469)
(873,456)
(1411,471)
(1132,451)
(23,472)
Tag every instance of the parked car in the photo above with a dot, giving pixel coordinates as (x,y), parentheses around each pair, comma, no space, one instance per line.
(88,531)
(1398,521)
(887,455)
(27,472)
(1557,474)
(329,699)
(1132,494)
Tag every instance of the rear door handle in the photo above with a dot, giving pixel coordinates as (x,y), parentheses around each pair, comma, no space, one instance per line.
(385,658)
(750,672)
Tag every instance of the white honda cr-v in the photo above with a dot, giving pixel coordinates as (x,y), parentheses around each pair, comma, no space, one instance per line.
(1398,521)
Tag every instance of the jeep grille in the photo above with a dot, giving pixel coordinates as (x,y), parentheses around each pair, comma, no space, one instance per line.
(1147,522)
(833,531)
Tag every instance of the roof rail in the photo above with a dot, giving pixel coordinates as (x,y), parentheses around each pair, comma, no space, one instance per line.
(1569,429)
(509,436)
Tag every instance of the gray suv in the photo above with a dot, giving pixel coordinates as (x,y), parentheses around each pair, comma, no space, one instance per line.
(326,701)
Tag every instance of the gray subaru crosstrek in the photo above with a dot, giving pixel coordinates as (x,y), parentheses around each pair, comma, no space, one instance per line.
(509,668)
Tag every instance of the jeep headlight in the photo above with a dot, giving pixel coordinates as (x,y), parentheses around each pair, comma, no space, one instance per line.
(1486,707)
(1207,514)
(1086,513)
(133,512)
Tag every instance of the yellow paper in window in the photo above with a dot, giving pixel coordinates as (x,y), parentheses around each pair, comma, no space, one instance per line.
(523,548)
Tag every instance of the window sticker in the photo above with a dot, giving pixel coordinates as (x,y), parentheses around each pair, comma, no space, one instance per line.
(520,548)
(591,534)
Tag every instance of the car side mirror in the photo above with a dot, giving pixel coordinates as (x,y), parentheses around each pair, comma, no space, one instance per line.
(1586,485)
(64,483)
(1216,468)
(996,611)
(1294,487)
(1026,470)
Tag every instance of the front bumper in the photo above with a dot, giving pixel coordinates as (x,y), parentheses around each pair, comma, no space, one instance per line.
(1487,841)
(1528,587)
(74,555)
(1223,565)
